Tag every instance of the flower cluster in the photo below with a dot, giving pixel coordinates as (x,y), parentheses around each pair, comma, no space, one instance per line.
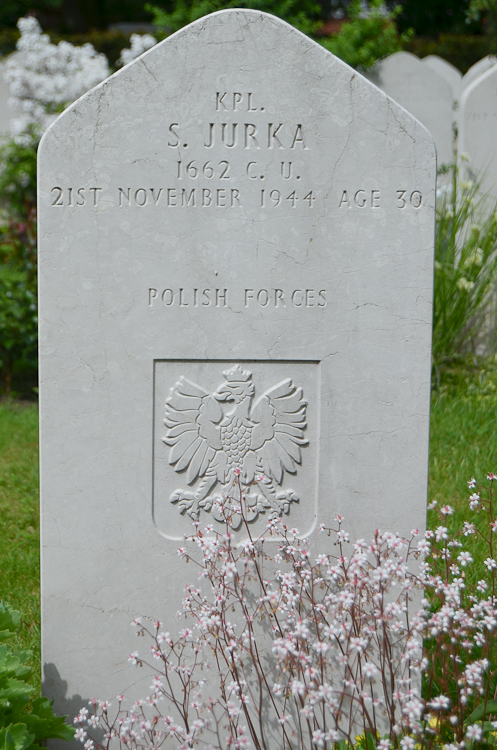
(283,644)
(44,78)
(140,43)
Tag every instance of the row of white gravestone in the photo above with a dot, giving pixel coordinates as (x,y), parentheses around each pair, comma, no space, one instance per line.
(446,102)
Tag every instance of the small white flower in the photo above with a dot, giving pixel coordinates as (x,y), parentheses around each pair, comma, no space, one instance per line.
(441,532)
(140,43)
(474,501)
(133,658)
(473,732)
(465,559)
(318,737)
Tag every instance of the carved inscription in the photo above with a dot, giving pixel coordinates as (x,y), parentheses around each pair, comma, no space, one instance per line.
(230,197)
(249,298)
(270,176)
(480,116)
(226,438)
(374,199)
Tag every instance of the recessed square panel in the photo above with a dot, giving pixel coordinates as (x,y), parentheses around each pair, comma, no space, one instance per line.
(235,437)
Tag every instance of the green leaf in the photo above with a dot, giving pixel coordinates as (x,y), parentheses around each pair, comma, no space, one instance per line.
(45,725)
(10,619)
(15,737)
(483,710)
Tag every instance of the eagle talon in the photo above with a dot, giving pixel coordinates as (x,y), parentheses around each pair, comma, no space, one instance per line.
(184,502)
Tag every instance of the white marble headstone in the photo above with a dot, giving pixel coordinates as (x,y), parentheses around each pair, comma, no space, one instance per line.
(423,92)
(478,129)
(235,225)
(478,69)
(447,71)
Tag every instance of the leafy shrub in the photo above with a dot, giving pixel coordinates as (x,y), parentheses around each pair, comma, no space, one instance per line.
(485,10)
(368,36)
(465,268)
(22,726)
(303,14)
(18,285)
(45,77)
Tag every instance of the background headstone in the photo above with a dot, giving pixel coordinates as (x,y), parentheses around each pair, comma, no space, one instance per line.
(239,208)
(477,69)
(447,71)
(422,92)
(478,129)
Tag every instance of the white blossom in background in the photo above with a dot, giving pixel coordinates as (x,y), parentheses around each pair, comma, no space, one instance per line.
(365,11)
(140,43)
(44,78)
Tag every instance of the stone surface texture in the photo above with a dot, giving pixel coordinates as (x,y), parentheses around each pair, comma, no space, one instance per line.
(236,212)
(478,127)
(423,92)
(447,71)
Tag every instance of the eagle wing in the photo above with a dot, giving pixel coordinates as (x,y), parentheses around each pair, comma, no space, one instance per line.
(194,434)
(279,416)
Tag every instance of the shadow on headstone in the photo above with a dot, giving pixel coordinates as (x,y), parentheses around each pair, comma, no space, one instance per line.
(54,687)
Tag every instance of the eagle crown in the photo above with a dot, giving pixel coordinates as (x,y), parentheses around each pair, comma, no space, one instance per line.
(237,388)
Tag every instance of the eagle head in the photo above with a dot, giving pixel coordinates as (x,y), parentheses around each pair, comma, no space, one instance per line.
(237,387)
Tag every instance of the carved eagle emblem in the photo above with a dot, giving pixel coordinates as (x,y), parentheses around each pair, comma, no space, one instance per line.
(221,437)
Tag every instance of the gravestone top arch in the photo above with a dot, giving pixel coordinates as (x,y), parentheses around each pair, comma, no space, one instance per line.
(237,222)
(478,120)
(423,92)
(446,70)
(478,69)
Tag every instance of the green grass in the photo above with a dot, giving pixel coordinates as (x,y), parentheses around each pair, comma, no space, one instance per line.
(463,434)
(463,443)
(19,524)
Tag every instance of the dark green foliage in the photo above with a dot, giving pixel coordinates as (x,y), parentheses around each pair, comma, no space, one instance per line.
(303,14)
(11,10)
(484,11)
(364,40)
(18,177)
(69,16)
(18,289)
(8,40)
(22,726)
(433,17)
(460,50)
